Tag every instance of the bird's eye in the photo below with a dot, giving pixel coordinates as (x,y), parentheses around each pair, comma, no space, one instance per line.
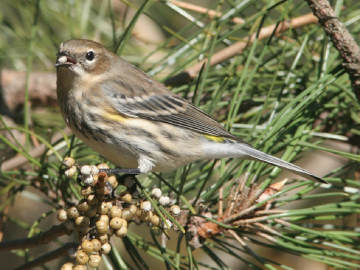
(90,55)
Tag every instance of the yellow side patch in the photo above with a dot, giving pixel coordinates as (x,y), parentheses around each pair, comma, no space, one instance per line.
(214,138)
(114,117)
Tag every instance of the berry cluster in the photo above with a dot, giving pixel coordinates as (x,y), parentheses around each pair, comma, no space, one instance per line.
(106,210)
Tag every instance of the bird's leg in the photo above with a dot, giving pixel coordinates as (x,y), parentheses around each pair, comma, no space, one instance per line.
(121,171)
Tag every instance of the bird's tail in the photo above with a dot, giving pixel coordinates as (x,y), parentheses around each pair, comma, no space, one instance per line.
(258,155)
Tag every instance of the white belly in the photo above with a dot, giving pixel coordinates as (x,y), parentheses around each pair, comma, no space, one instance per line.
(117,154)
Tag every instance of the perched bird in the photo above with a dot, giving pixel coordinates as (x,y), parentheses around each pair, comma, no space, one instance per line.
(135,121)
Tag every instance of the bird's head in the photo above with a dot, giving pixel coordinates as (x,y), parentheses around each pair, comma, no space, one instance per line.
(83,57)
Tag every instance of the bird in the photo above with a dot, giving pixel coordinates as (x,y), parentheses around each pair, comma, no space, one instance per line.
(136,122)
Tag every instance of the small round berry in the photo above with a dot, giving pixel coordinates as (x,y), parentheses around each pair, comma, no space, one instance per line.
(92,200)
(62,215)
(89,180)
(71,171)
(106,248)
(132,208)
(67,266)
(156,192)
(94,260)
(115,211)
(104,218)
(102,227)
(126,214)
(147,216)
(146,206)
(94,170)
(175,209)
(104,208)
(155,220)
(83,206)
(113,181)
(124,223)
(96,244)
(139,213)
(121,232)
(72,212)
(81,257)
(87,191)
(82,221)
(86,170)
(87,246)
(109,205)
(69,162)
(116,223)
(164,200)
(126,198)
(104,238)
(62,59)
(80,267)
(103,166)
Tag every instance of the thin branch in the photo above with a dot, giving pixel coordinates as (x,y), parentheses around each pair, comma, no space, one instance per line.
(269,211)
(267,228)
(246,247)
(221,202)
(238,47)
(266,236)
(52,255)
(341,38)
(199,9)
(39,239)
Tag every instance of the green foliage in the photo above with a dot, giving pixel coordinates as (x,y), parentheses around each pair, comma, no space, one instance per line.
(286,95)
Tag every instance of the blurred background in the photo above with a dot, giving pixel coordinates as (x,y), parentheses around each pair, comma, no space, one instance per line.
(245,90)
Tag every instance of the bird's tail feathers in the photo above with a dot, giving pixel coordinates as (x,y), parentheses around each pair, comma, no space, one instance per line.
(258,155)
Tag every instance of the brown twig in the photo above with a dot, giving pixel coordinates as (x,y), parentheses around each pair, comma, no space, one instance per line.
(64,250)
(269,211)
(265,32)
(241,211)
(244,245)
(238,47)
(39,239)
(211,13)
(341,38)
(221,202)
(267,237)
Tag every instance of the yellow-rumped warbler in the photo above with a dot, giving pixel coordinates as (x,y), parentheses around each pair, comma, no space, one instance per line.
(136,122)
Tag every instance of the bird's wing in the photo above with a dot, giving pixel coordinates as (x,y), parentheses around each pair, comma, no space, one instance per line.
(159,104)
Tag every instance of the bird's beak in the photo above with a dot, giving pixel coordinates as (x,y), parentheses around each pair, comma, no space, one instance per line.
(64,60)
